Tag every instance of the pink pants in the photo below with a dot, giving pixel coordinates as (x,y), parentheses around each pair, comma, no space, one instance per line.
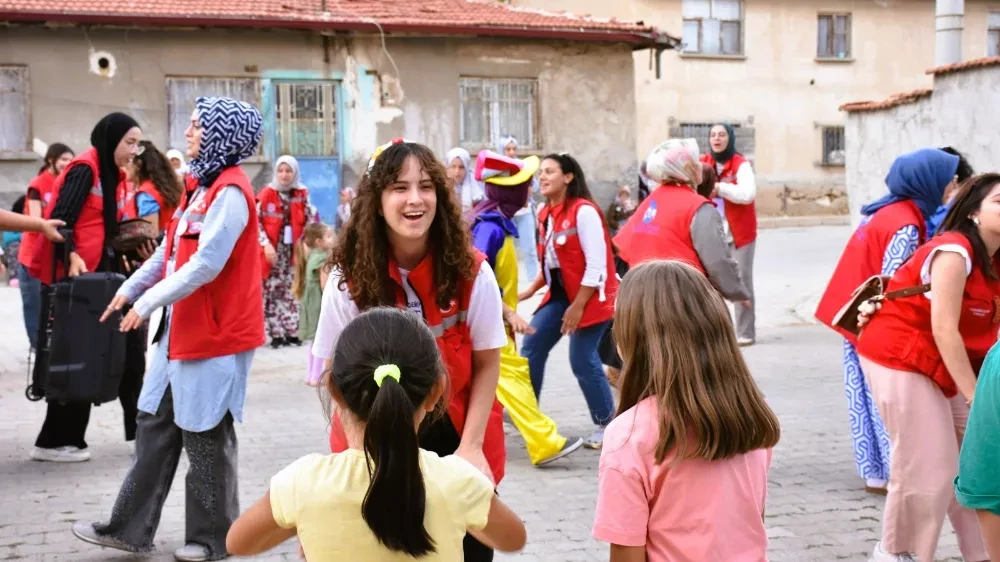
(925,429)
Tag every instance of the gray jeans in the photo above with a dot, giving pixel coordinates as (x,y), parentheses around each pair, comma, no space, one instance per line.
(211,494)
(746,317)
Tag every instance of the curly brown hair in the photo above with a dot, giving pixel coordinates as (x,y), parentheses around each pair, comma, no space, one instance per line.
(362,250)
(153,166)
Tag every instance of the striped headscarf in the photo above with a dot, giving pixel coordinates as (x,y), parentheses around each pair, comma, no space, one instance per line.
(675,160)
(231,132)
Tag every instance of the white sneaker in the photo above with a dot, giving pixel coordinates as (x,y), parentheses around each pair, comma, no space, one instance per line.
(596,439)
(744,342)
(880,555)
(61,454)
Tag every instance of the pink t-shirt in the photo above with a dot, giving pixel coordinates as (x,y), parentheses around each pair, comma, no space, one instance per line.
(697,511)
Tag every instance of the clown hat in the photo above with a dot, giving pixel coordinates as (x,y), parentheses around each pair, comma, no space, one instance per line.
(500,170)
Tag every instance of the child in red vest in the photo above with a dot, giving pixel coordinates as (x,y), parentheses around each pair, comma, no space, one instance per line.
(406,245)
(683,472)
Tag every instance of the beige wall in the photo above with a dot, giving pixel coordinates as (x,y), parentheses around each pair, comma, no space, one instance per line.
(586,92)
(779,87)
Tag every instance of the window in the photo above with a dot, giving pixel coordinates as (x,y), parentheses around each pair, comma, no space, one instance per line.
(713,27)
(700,132)
(307,118)
(492,108)
(14,114)
(993,34)
(834,36)
(181,93)
(833,146)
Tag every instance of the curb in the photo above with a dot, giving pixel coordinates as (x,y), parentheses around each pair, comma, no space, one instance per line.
(793,222)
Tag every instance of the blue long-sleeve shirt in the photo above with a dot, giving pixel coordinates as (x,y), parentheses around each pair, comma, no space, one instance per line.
(203,390)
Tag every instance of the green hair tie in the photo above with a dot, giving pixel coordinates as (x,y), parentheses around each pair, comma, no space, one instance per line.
(384,371)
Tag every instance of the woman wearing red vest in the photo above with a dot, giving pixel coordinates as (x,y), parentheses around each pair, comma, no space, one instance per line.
(734,197)
(155,189)
(39,195)
(283,210)
(207,275)
(890,231)
(920,355)
(84,197)
(406,245)
(579,270)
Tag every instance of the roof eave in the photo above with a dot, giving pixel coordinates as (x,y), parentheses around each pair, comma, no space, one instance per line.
(639,39)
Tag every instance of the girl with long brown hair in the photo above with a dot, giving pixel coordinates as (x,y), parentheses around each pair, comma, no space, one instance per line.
(156,190)
(692,427)
(406,245)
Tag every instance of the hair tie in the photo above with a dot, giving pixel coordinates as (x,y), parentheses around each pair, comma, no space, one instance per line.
(384,371)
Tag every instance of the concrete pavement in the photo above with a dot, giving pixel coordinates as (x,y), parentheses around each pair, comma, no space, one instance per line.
(816,509)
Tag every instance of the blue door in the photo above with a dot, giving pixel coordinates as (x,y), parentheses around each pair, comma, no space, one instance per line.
(306,128)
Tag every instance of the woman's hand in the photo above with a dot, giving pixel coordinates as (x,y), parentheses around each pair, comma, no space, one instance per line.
(147,250)
(866,310)
(518,324)
(571,318)
(76,265)
(476,458)
(116,304)
(524,295)
(131,321)
(50,229)
(270,255)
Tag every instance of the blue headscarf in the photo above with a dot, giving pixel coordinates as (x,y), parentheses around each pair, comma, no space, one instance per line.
(919,176)
(231,132)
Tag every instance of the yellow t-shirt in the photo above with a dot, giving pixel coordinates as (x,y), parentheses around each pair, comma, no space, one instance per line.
(321,496)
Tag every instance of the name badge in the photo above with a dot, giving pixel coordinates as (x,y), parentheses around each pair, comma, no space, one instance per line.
(288,234)
(561,240)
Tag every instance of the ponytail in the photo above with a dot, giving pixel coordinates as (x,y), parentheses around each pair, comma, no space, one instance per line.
(394,504)
(299,281)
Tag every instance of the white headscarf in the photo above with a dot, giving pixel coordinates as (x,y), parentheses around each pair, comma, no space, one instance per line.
(174,153)
(675,160)
(294,165)
(471,191)
(506,140)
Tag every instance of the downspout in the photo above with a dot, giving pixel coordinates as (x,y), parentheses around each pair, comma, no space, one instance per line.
(948,44)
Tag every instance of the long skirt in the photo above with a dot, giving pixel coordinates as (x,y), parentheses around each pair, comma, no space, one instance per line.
(281,310)
(871,441)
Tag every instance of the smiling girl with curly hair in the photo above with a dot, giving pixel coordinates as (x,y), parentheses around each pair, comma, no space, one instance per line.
(405,245)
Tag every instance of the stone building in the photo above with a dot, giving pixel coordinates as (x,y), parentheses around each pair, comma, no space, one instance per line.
(957,111)
(333,78)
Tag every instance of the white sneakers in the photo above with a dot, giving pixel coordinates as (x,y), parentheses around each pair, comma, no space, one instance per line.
(596,439)
(61,454)
(744,342)
(880,555)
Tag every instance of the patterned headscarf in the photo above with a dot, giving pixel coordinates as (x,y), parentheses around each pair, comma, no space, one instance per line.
(231,132)
(675,160)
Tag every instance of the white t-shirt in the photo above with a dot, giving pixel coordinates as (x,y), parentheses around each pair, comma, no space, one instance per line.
(485,314)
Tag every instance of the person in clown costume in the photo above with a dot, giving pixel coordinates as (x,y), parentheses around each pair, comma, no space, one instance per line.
(508,185)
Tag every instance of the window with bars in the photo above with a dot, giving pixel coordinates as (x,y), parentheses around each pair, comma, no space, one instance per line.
(833,146)
(745,143)
(14,114)
(182,91)
(307,118)
(833,37)
(993,34)
(713,27)
(494,107)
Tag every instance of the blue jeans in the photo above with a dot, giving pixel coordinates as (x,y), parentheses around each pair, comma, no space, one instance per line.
(526,244)
(583,357)
(31,302)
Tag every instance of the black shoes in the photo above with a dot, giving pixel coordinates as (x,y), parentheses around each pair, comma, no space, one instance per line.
(284,342)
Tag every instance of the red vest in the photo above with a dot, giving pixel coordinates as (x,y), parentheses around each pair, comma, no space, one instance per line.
(899,336)
(272,214)
(660,228)
(742,219)
(455,344)
(88,232)
(226,315)
(43,182)
(128,206)
(572,263)
(862,258)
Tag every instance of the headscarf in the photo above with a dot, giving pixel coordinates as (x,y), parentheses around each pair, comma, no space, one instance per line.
(344,209)
(174,153)
(108,132)
(725,155)
(470,190)
(294,165)
(504,141)
(675,160)
(231,132)
(919,176)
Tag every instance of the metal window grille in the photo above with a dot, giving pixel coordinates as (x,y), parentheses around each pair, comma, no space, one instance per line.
(182,92)
(701,132)
(15,116)
(833,36)
(307,118)
(494,107)
(833,146)
(713,27)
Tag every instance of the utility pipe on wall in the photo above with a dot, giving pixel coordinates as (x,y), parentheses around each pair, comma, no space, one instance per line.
(948,42)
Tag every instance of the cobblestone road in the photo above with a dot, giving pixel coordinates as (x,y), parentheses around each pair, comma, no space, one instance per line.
(816,510)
